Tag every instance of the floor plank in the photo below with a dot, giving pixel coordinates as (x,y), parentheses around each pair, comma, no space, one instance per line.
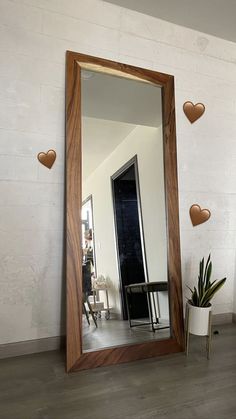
(169,387)
(117,332)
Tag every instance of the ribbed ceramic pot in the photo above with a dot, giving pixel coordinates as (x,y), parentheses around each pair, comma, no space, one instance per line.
(198,320)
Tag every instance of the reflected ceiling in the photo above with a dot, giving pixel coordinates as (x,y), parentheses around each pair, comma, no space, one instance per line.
(112,107)
(119,99)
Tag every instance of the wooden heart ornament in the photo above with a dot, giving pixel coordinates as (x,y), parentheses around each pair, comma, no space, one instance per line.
(47,159)
(198,215)
(193,112)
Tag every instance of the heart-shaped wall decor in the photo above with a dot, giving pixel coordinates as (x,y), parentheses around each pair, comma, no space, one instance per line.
(198,215)
(47,159)
(193,112)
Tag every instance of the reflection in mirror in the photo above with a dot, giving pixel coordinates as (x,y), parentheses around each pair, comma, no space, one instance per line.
(125,288)
(87,232)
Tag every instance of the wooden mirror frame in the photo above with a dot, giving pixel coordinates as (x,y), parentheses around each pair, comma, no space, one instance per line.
(76,359)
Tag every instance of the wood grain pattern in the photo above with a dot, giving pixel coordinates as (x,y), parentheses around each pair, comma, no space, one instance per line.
(76,360)
(73,208)
(126,353)
(172,211)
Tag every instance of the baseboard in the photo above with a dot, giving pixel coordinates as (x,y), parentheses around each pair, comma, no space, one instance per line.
(27,347)
(222,318)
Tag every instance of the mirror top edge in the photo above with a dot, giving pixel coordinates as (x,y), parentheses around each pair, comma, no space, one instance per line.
(106,69)
(113,72)
(90,62)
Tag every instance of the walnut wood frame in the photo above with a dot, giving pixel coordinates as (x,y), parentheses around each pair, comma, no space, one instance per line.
(76,359)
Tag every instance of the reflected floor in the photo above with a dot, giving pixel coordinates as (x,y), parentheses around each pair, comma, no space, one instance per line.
(114,332)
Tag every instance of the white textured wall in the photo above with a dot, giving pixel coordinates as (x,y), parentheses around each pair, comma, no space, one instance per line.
(34,35)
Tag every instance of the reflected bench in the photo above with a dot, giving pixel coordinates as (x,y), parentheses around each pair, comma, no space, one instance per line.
(150,289)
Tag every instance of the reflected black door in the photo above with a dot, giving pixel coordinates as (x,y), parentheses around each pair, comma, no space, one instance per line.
(130,253)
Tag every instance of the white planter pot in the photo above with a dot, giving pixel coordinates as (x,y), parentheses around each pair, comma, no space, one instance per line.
(198,320)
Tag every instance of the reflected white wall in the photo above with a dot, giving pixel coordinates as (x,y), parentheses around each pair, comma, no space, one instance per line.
(146,143)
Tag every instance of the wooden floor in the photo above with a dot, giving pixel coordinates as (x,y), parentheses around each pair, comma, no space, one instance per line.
(170,387)
(117,332)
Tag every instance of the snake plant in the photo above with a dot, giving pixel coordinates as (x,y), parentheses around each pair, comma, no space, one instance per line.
(205,290)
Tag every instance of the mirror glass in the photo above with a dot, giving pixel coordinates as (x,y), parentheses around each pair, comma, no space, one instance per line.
(88,233)
(124,238)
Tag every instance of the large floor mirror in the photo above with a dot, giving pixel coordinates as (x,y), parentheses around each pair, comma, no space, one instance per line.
(124,297)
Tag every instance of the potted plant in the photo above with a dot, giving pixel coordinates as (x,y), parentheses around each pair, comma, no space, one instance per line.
(198,304)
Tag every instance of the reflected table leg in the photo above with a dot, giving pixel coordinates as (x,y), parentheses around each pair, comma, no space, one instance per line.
(150,311)
(91,311)
(127,306)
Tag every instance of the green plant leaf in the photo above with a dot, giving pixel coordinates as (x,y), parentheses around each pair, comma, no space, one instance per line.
(200,286)
(211,283)
(195,297)
(209,294)
(208,275)
(206,269)
(205,290)
(189,288)
(201,269)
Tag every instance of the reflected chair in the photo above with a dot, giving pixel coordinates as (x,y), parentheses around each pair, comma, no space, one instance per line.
(87,290)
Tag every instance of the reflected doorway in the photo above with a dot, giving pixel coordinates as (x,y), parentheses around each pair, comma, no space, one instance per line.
(130,247)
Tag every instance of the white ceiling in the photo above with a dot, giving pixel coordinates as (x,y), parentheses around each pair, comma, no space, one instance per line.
(214,17)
